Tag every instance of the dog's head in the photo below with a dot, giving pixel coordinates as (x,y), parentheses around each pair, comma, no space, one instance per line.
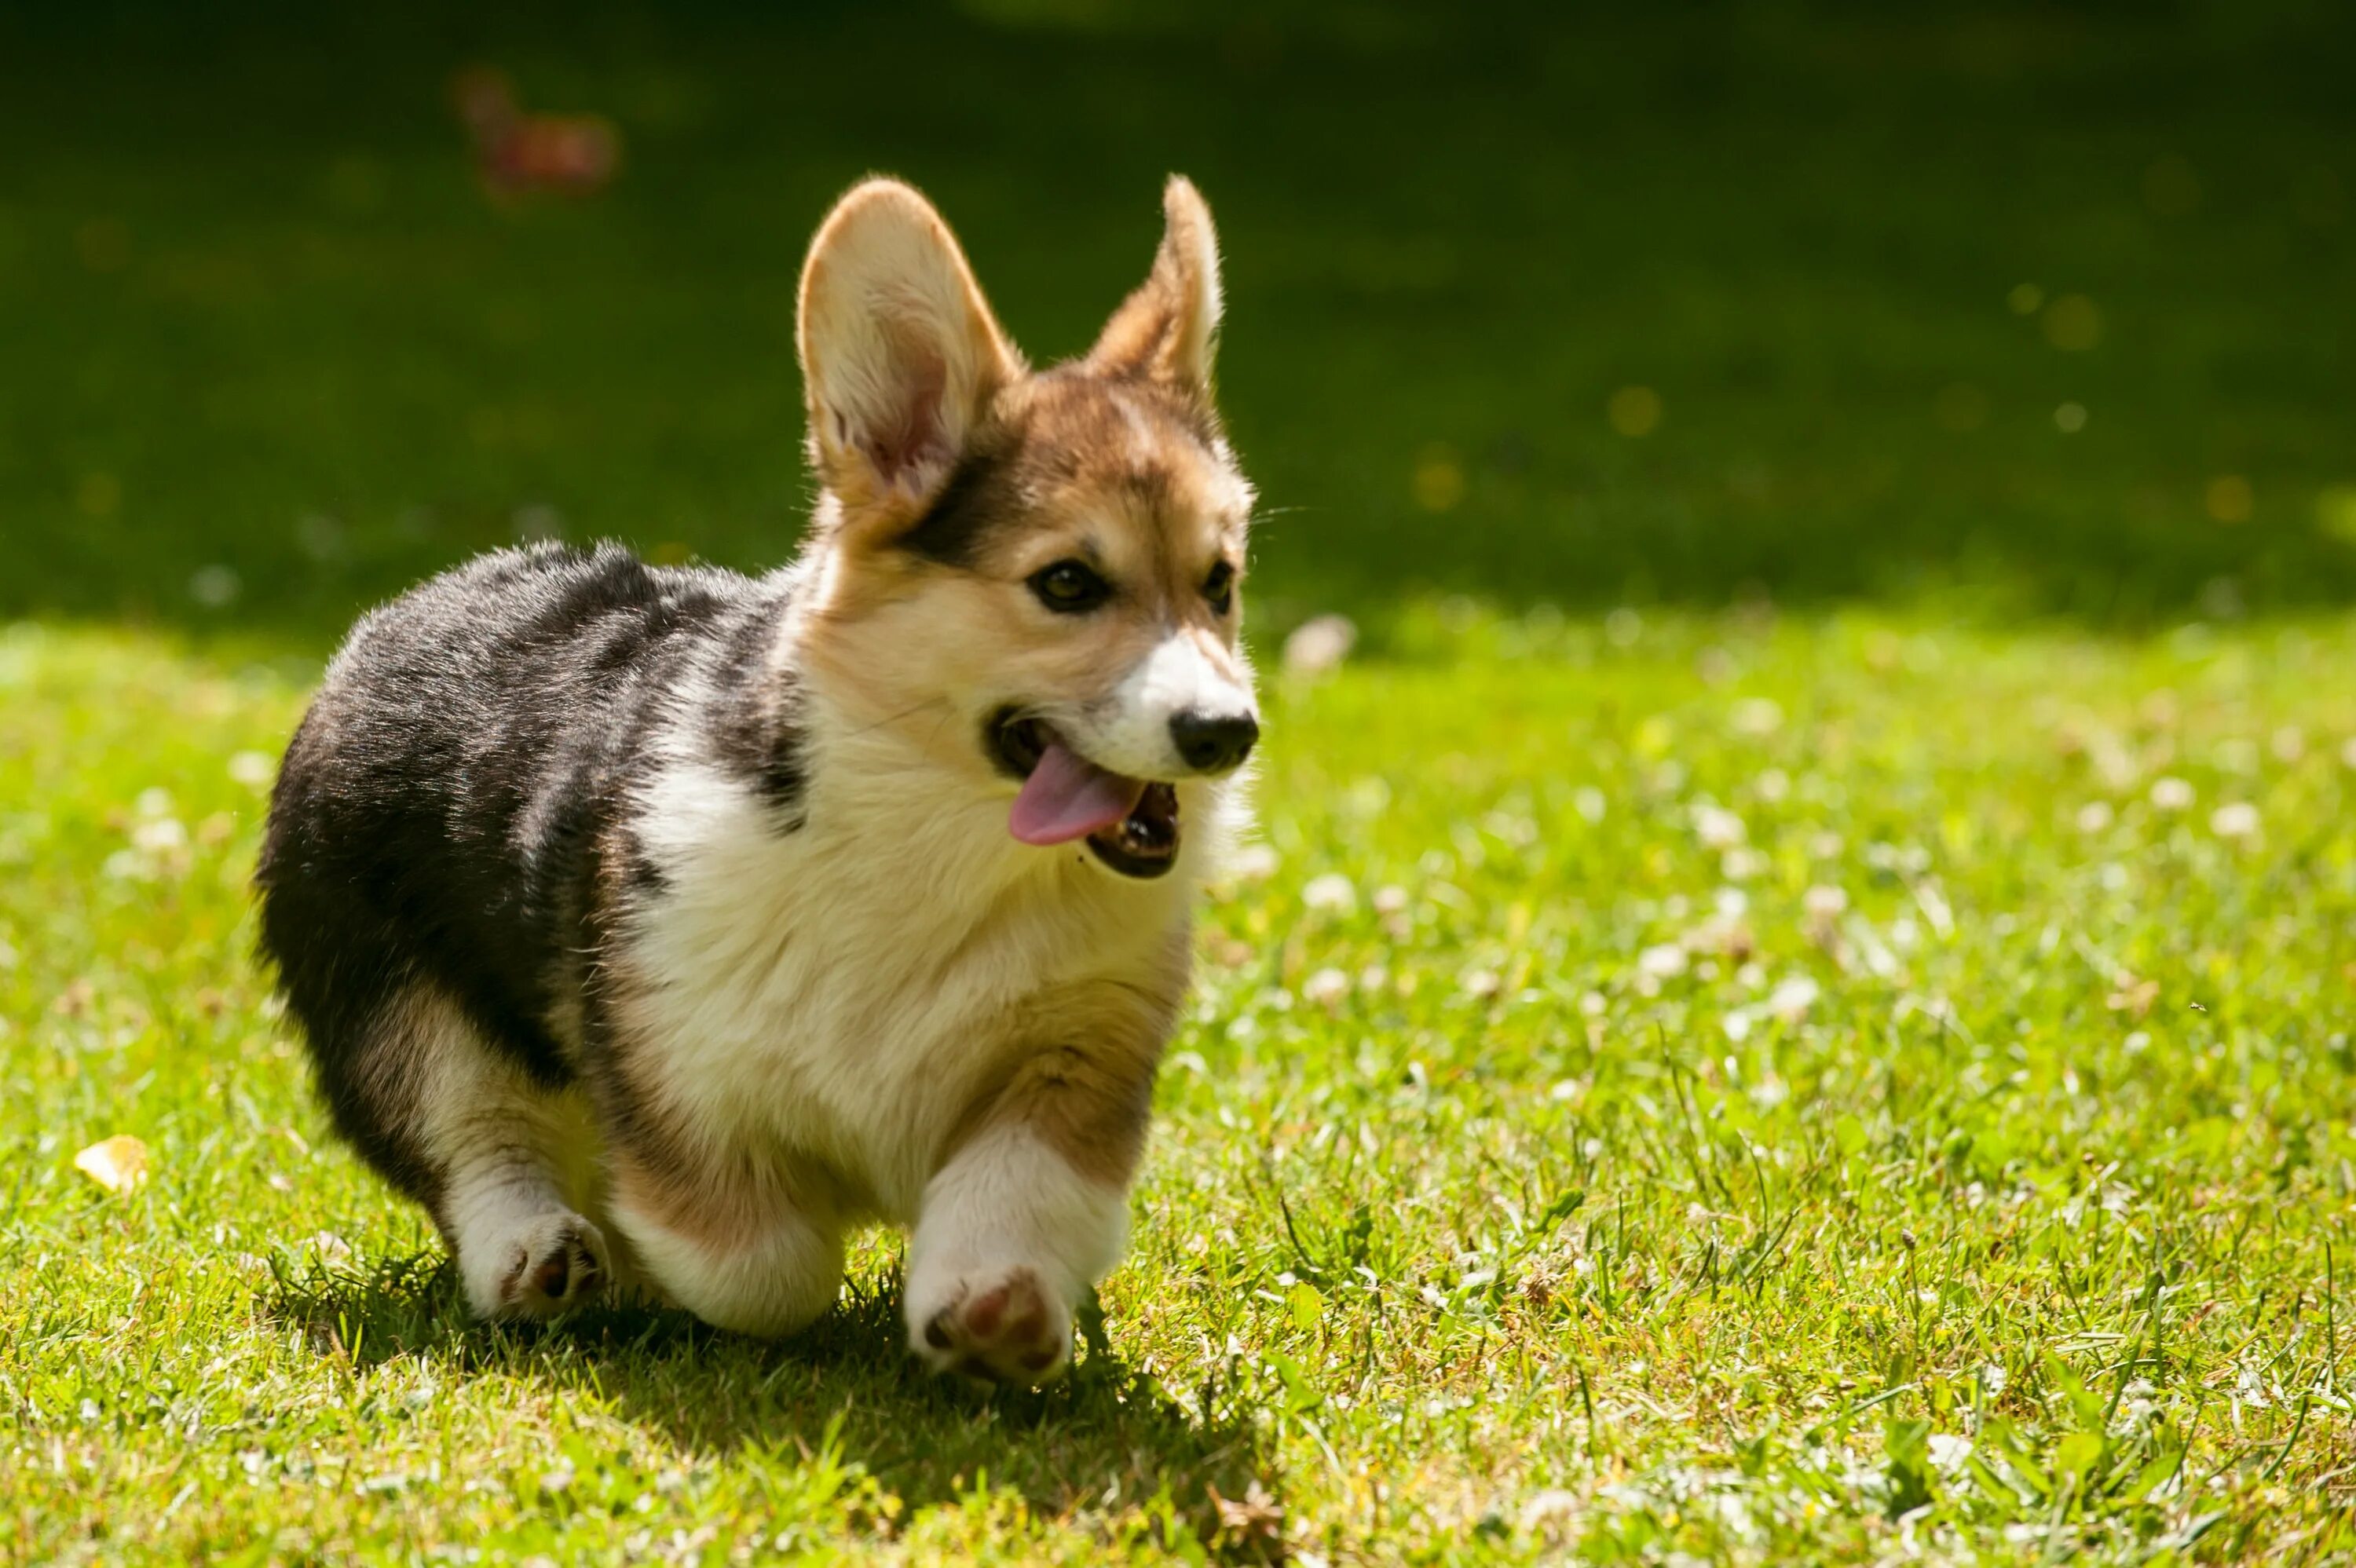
(1036,576)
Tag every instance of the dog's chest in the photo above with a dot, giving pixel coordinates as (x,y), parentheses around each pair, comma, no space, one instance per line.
(842,990)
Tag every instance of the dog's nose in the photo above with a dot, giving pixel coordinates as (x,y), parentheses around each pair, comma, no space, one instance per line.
(1213,742)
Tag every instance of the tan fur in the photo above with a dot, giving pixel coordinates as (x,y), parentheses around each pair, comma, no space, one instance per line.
(1111,471)
(1165,331)
(1083,1079)
(724,1208)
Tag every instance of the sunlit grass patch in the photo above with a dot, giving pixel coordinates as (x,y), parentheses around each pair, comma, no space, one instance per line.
(1747,1090)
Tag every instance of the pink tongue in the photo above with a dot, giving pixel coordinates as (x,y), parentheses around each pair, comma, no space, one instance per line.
(1068,797)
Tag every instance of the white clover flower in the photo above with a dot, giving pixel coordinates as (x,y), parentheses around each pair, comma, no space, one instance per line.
(160,836)
(1326,987)
(1663,961)
(1320,644)
(2094,816)
(1741,863)
(2171,794)
(1252,863)
(1792,998)
(1330,892)
(2238,820)
(1949,1452)
(1554,1506)
(1717,827)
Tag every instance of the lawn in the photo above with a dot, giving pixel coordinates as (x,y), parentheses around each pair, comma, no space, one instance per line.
(1793,1002)
(2047,304)
(1672,1087)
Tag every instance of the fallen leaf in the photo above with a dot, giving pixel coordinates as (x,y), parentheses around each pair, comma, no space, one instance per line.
(119,1164)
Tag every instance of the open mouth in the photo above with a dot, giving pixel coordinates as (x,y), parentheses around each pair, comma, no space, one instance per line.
(1131,825)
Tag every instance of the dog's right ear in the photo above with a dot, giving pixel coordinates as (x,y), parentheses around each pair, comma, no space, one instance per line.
(1168,329)
(900,357)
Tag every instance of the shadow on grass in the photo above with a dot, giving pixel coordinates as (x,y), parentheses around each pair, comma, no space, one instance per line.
(1106,1440)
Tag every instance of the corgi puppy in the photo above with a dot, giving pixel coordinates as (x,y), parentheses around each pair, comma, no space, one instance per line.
(653,927)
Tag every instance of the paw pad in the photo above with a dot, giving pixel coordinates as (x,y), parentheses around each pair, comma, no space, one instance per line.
(1004,1330)
(559,1264)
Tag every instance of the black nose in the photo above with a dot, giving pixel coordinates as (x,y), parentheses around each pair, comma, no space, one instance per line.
(1213,742)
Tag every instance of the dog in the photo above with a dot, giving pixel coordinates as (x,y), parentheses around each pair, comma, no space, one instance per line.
(653,927)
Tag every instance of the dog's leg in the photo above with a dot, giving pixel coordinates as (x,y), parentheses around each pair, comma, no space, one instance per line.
(731,1244)
(523,1251)
(1011,1237)
(505,1157)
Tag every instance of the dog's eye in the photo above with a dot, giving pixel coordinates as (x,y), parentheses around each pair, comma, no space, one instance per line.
(1219,588)
(1069,587)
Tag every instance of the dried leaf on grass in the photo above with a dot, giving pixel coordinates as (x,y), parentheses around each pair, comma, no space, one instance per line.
(119,1164)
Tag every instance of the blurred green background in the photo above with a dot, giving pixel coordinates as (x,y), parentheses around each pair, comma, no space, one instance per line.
(2028,309)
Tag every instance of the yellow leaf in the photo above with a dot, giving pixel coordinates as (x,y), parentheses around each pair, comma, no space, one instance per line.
(119,1164)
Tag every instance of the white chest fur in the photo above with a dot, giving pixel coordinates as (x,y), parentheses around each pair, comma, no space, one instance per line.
(838,990)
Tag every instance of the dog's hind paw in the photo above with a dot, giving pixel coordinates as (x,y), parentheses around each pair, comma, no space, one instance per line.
(1009,1330)
(558,1262)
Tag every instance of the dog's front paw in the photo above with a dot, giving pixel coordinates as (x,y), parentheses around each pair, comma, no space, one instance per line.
(555,1263)
(1007,1327)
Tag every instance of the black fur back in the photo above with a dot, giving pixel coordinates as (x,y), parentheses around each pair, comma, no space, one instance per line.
(446,806)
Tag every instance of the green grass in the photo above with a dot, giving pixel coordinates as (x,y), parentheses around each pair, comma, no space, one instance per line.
(261,319)
(1546,1164)
(1543,1170)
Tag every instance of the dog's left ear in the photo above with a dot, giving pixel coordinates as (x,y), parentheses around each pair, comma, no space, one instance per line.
(901,357)
(1168,329)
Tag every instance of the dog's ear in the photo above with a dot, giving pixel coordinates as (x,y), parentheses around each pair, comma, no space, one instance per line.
(1167,330)
(900,355)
